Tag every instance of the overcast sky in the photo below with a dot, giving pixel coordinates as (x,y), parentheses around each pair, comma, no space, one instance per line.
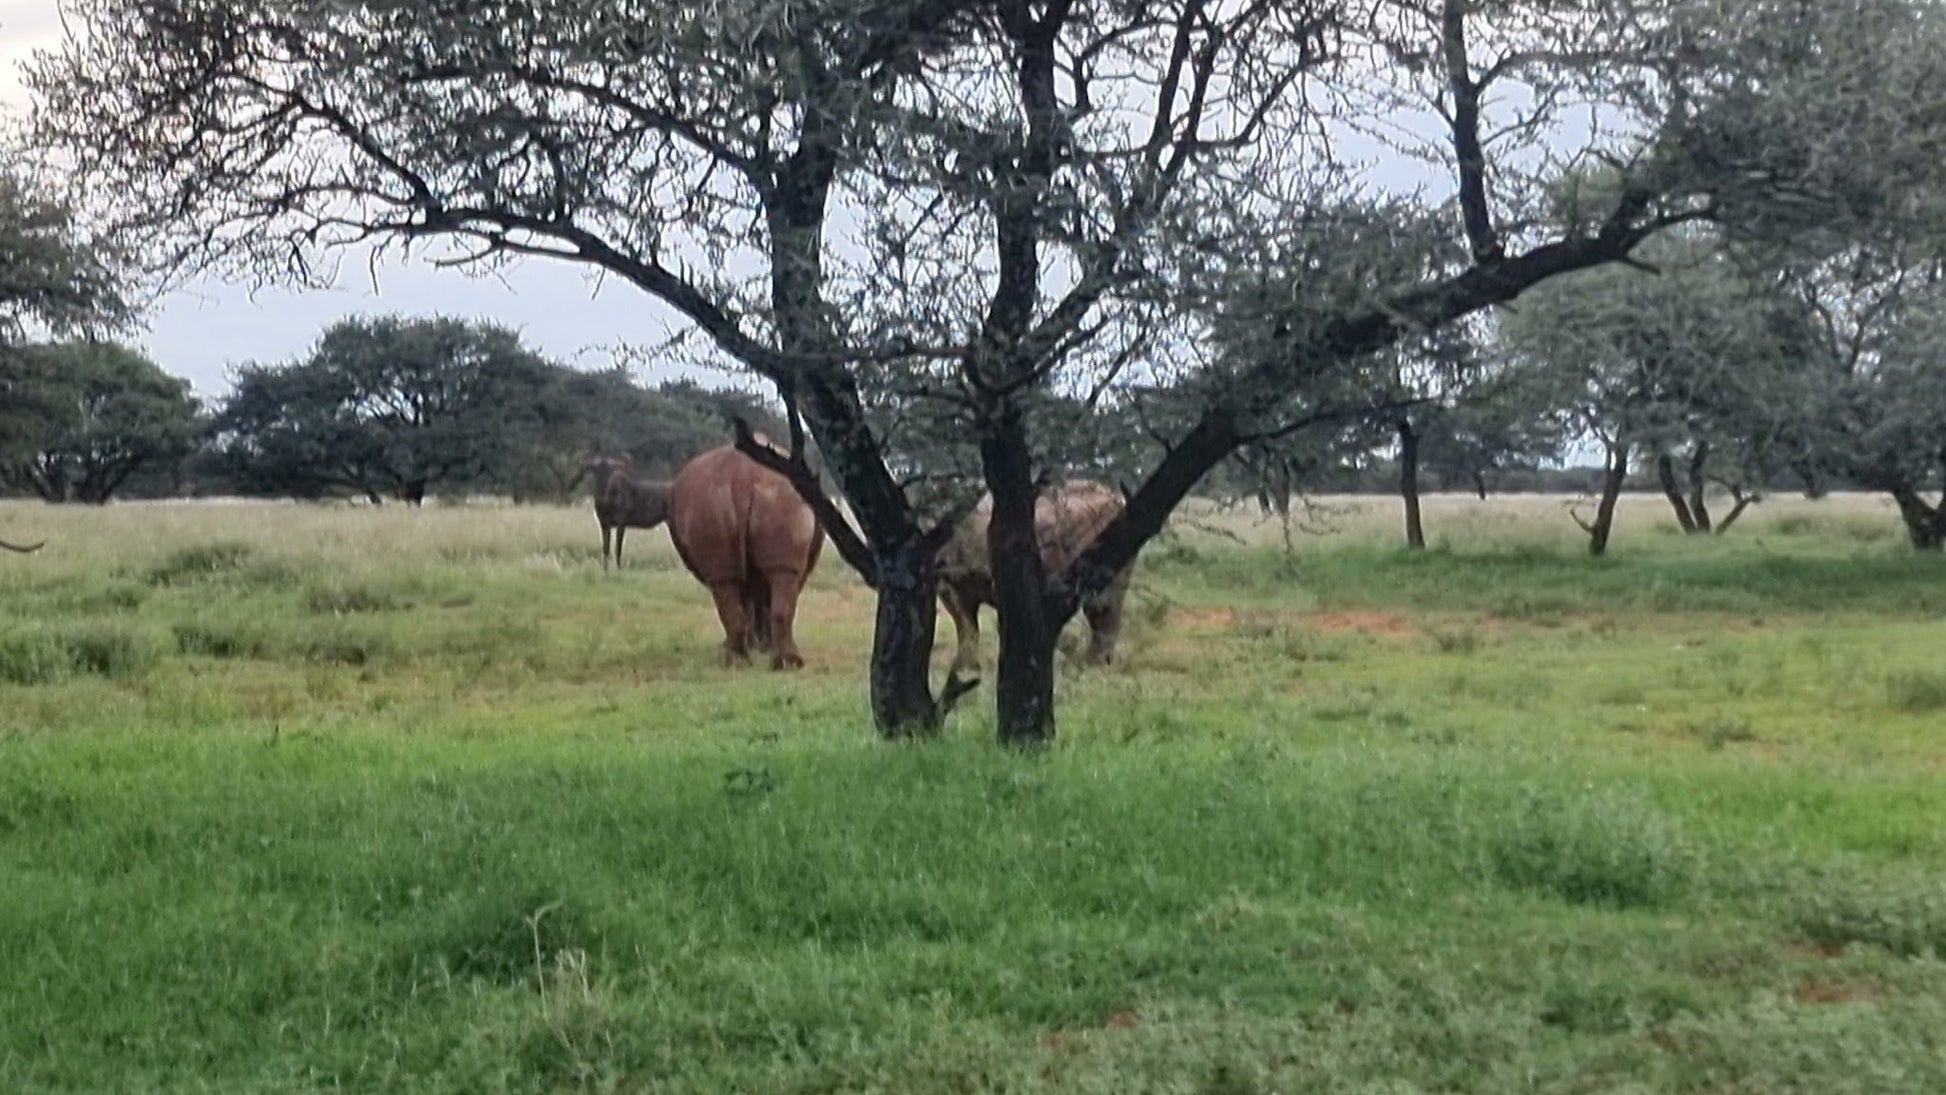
(198,333)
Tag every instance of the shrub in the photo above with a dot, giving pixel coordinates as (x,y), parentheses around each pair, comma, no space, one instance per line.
(346,646)
(222,561)
(218,639)
(110,651)
(337,599)
(1464,641)
(1604,850)
(1917,692)
(43,656)
(1907,918)
(32,657)
(114,596)
(505,938)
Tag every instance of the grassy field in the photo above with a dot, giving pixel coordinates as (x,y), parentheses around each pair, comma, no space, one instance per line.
(305,798)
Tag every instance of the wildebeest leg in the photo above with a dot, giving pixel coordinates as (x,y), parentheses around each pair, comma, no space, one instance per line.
(606,536)
(780,598)
(965,612)
(736,624)
(1104,614)
(619,531)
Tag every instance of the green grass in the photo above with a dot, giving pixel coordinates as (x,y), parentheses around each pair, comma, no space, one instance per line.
(284,808)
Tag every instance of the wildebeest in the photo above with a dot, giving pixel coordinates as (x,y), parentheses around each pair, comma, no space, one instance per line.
(623,502)
(1067,518)
(744,532)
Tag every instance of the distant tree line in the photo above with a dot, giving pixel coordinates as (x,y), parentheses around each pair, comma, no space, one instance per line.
(401,409)
(387,408)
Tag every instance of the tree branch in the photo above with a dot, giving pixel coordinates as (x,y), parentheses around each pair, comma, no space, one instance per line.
(851,546)
(1474,210)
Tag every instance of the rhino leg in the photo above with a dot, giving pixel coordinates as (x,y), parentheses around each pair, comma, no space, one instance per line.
(1105,622)
(757,610)
(965,612)
(780,604)
(736,623)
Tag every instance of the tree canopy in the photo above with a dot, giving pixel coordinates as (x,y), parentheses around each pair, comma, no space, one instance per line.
(91,415)
(54,281)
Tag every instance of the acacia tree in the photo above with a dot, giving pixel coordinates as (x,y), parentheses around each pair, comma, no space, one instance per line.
(101,412)
(1038,181)
(1870,392)
(1652,361)
(54,280)
(386,406)
(1900,405)
(1431,381)
(1484,435)
(580,414)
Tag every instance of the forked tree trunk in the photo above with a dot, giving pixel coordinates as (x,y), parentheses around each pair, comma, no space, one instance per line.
(1742,502)
(1611,491)
(1689,500)
(1415,530)
(1925,524)
(1665,473)
(1698,460)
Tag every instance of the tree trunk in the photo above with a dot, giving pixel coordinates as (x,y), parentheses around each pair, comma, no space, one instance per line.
(1925,525)
(902,638)
(1415,531)
(1665,473)
(1697,485)
(1029,635)
(1480,484)
(1029,626)
(1812,478)
(1742,503)
(1611,491)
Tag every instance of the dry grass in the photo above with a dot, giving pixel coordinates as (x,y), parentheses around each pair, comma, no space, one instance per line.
(350,536)
(87,538)
(1465,520)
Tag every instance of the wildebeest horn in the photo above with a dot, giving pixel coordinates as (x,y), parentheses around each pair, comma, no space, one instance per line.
(24,549)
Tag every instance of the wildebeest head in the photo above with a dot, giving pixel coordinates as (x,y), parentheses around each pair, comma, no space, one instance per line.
(602,469)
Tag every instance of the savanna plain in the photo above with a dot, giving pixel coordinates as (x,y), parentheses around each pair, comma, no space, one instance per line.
(302,798)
